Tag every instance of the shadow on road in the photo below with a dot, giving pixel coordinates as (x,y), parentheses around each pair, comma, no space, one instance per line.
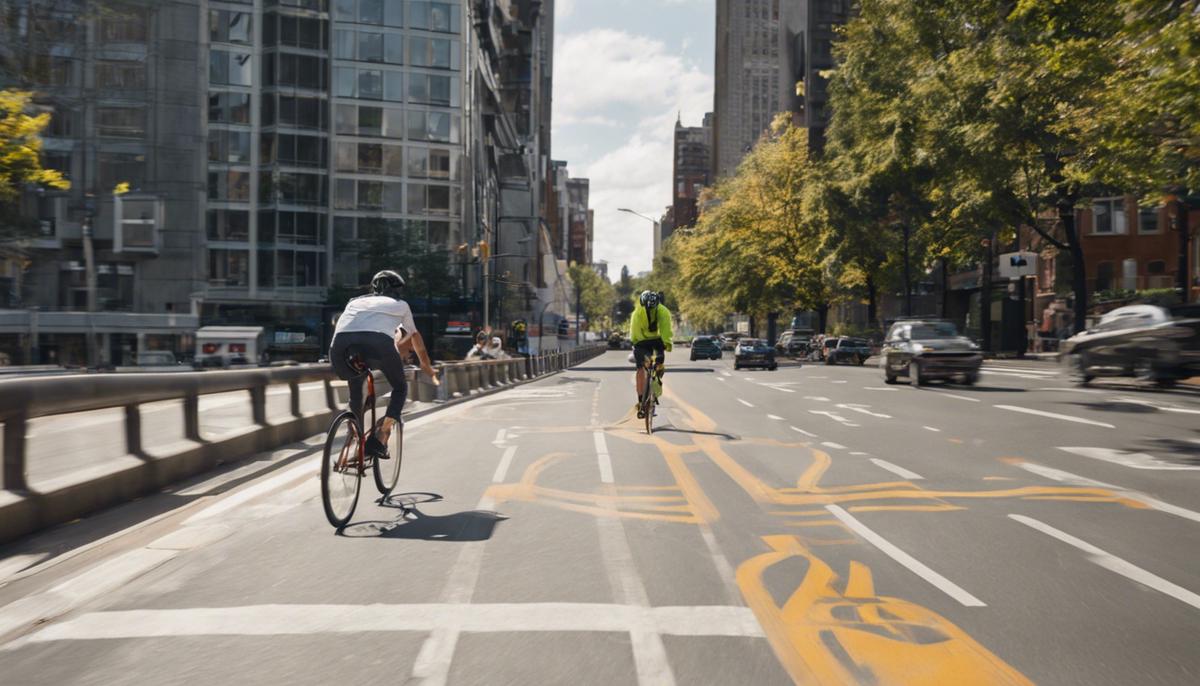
(412,524)
(1118,406)
(674,429)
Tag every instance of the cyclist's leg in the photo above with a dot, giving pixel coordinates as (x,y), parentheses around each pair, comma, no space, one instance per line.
(639,357)
(343,346)
(384,357)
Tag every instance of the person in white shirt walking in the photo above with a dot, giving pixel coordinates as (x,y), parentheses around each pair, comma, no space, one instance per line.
(379,329)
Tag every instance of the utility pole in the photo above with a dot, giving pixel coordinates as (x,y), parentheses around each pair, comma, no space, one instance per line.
(1179,222)
(985,295)
(89,265)
(578,298)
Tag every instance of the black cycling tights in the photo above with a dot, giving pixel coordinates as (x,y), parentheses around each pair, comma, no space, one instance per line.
(378,351)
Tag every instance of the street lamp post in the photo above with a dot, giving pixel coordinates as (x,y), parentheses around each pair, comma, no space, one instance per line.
(657,227)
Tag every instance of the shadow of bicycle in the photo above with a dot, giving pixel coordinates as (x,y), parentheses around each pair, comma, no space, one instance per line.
(412,524)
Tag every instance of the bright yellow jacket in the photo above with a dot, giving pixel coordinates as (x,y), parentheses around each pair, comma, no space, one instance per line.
(639,326)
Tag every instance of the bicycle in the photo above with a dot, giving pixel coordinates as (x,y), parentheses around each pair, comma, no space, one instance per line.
(652,390)
(342,473)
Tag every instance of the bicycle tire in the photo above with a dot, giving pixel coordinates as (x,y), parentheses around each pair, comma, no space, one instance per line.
(385,481)
(340,505)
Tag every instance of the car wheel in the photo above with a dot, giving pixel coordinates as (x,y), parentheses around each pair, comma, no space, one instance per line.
(914,374)
(971,379)
(773,367)
(1077,369)
(829,359)
(888,376)
(736,366)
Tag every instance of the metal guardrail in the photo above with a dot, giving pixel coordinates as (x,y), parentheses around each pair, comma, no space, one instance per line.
(24,399)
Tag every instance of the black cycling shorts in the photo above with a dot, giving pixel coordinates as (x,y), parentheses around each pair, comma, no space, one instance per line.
(644,348)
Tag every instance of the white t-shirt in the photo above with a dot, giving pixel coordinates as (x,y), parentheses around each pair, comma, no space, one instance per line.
(375,313)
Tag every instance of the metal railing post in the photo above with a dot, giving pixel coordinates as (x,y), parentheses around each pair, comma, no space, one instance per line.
(191,417)
(294,387)
(14,453)
(133,429)
(258,403)
(330,396)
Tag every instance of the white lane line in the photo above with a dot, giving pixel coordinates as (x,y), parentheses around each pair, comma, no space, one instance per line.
(775,417)
(839,381)
(880,388)
(836,417)
(835,446)
(505,461)
(268,620)
(802,431)
(1076,480)
(606,473)
(1035,377)
(745,403)
(724,569)
(499,438)
(781,389)
(952,395)
(749,378)
(930,428)
(725,373)
(896,469)
(863,409)
(908,561)
(1054,415)
(1030,370)
(1091,391)
(817,398)
(858,452)
(1128,459)
(271,485)
(1113,563)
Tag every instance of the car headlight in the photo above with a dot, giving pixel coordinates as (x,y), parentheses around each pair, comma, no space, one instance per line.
(917,348)
(972,345)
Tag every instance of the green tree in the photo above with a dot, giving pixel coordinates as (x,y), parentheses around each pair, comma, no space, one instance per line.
(385,245)
(20,158)
(596,295)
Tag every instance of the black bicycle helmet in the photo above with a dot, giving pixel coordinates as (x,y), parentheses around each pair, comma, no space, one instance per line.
(387,282)
(649,299)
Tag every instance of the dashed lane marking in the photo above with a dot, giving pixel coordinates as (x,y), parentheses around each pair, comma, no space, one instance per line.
(505,461)
(745,403)
(1113,563)
(775,417)
(606,473)
(897,469)
(835,446)
(911,563)
(933,429)
(1054,415)
(802,431)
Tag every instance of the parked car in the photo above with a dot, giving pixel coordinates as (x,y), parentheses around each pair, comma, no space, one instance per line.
(1153,344)
(729,339)
(819,347)
(924,350)
(226,346)
(754,352)
(846,349)
(705,347)
(793,343)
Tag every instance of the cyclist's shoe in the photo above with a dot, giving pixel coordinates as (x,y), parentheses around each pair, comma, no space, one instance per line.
(376,448)
(641,414)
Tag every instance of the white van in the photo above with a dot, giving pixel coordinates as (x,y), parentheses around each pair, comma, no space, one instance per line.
(225,346)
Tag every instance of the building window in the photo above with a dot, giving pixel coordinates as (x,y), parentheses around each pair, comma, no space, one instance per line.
(125,25)
(433,89)
(295,150)
(1148,220)
(229,68)
(441,53)
(1104,276)
(434,16)
(298,71)
(225,26)
(116,167)
(52,71)
(432,163)
(228,225)
(301,32)
(374,12)
(233,108)
(1108,216)
(62,122)
(229,146)
(232,185)
(228,267)
(1156,267)
(433,126)
(301,189)
(120,74)
(301,228)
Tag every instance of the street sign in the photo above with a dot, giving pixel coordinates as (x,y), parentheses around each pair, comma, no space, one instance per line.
(1014,265)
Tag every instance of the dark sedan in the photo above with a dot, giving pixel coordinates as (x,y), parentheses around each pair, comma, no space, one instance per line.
(1153,344)
(705,347)
(928,350)
(852,350)
(754,352)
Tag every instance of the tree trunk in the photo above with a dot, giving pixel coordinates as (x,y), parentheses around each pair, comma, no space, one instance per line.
(985,296)
(822,316)
(1066,213)
(945,289)
(872,301)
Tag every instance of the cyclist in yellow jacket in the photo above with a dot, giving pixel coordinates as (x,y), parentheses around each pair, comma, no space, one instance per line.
(650,332)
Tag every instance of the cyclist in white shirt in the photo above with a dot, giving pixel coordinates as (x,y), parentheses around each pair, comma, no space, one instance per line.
(379,329)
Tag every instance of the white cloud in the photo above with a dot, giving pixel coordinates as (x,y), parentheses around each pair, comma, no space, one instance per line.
(606,78)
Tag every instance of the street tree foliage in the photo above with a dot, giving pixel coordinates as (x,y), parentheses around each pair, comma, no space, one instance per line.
(20,156)
(953,121)
(427,273)
(596,295)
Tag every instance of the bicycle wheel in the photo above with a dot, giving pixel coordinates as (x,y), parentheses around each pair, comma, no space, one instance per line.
(387,472)
(341,476)
(648,407)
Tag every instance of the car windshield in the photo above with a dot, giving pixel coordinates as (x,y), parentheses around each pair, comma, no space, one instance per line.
(853,343)
(926,330)
(751,342)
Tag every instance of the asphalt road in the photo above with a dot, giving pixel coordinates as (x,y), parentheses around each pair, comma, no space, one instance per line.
(809,525)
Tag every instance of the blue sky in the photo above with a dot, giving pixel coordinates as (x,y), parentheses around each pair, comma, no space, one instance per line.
(623,70)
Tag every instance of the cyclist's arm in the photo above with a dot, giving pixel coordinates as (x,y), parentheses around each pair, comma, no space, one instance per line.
(664,327)
(406,341)
(637,325)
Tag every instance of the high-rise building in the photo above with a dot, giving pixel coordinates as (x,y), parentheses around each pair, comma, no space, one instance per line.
(693,146)
(808,31)
(579,221)
(270,147)
(747,87)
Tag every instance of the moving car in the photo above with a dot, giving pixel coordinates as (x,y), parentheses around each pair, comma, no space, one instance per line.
(924,350)
(846,349)
(729,339)
(705,347)
(1151,343)
(754,352)
(793,343)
